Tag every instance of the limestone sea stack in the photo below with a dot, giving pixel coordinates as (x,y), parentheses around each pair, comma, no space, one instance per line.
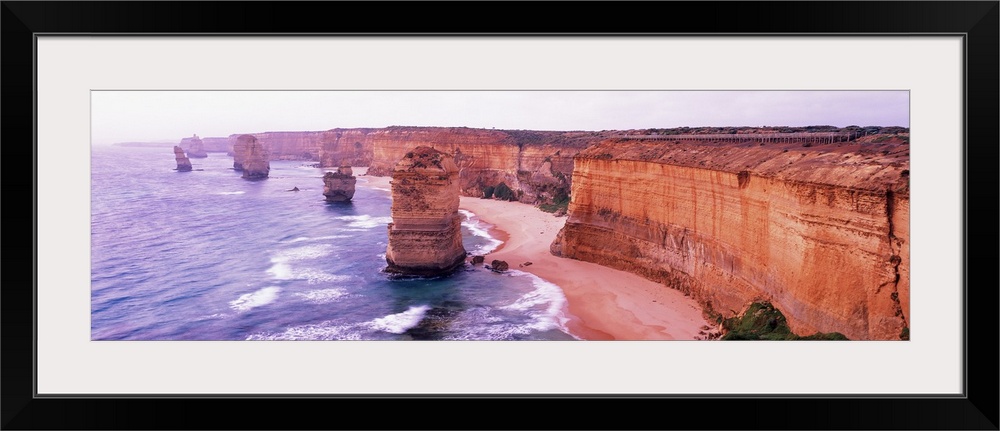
(183,164)
(195,147)
(255,162)
(425,236)
(240,149)
(339,186)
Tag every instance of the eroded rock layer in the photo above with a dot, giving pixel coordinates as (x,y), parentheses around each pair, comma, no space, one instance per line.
(256,160)
(183,163)
(425,236)
(339,186)
(820,231)
(537,165)
(194,146)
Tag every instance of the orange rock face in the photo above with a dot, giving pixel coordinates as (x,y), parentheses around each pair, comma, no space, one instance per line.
(425,236)
(536,165)
(820,232)
(255,158)
(339,186)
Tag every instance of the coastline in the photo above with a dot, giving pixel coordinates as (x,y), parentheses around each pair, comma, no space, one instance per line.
(603,303)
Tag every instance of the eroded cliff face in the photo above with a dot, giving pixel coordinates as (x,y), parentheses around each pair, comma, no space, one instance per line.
(351,147)
(183,163)
(255,160)
(339,186)
(821,232)
(331,148)
(425,237)
(536,165)
(194,146)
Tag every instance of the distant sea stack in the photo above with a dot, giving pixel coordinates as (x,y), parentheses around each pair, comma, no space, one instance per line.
(195,147)
(425,237)
(254,162)
(240,149)
(339,186)
(183,164)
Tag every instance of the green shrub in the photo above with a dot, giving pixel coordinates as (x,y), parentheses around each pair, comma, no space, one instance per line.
(504,193)
(762,321)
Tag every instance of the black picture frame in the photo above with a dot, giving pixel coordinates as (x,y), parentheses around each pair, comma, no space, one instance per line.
(976,21)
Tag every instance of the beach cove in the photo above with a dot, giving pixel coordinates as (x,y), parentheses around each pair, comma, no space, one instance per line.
(602,303)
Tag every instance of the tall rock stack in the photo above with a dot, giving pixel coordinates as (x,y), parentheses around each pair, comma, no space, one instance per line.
(425,237)
(240,149)
(195,147)
(255,162)
(339,186)
(183,164)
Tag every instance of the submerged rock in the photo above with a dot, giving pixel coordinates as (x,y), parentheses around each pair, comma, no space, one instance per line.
(425,236)
(183,164)
(339,186)
(476,260)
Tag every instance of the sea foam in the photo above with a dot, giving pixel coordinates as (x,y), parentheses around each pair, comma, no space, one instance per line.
(545,304)
(251,300)
(322,296)
(398,323)
(365,221)
(480,229)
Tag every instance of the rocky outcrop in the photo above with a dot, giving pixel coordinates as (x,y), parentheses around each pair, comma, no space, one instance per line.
(255,160)
(353,147)
(821,231)
(239,152)
(183,164)
(194,146)
(339,186)
(536,165)
(425,237)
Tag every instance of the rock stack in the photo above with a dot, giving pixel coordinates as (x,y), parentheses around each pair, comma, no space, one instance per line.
(425,236)
(183,164)
(339,186)
(195,147)
(239,150)
(254,160)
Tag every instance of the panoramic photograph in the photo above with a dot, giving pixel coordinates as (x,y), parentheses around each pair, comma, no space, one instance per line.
(500,215)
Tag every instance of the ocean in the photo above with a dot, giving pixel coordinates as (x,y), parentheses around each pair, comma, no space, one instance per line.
(207,255)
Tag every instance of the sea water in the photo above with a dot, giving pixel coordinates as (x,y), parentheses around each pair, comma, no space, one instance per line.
(207,255)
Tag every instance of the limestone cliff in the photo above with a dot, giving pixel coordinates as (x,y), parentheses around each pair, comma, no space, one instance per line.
(352,147)
(255,160)
(194,146)
(537,165)
(425,236)
(339,186)
(183,164)
(821,231)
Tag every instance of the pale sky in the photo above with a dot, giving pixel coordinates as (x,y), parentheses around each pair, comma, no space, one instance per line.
(142,116)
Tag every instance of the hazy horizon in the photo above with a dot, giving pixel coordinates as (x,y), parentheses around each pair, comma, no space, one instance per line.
(162,116)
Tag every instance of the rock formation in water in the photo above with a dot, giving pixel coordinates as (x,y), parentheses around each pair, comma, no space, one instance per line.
(240,149)
(339,186)
(425,236)
(255,160)
(183,164)
(819,230)
(195,147)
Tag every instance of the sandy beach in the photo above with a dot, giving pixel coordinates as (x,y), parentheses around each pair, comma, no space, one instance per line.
(603,303)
